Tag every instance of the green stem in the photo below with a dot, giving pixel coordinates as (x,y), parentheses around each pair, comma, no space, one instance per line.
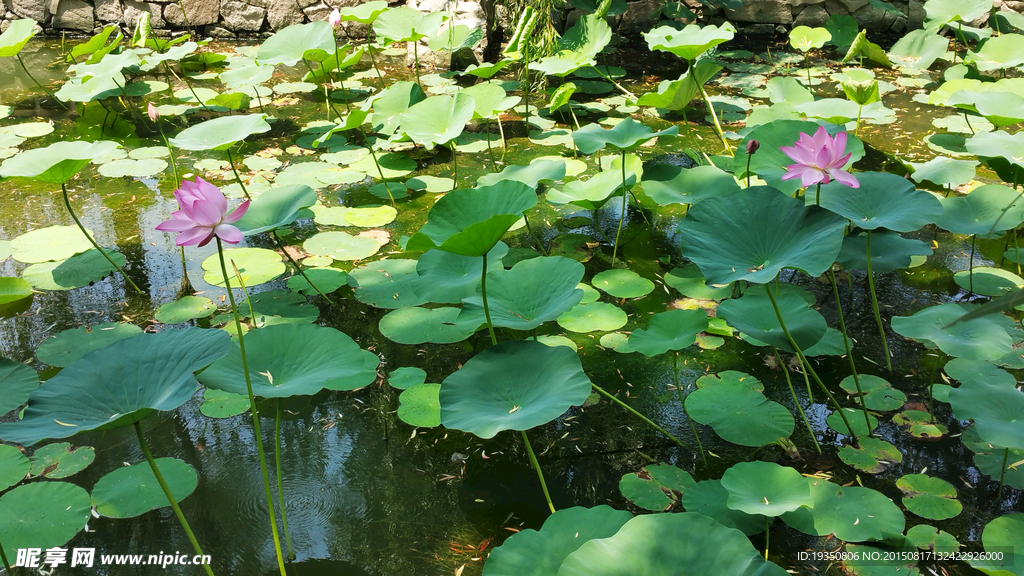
(1002,473)
(807,364)
(622,215)
(714,118)
(540,243)
(792,392)
(968,121)
(375,69)
(280,246)
(252,408)
(616,84)
(67,204)
(7,563)
(629,409)
(849,353)
(483,295)
(487,131)
(416,61)
(767,532)
(526,89)
(231,160)
(856,127)
(170,152)
(807,66)
(679,393)
(280,482)
(455,166)
(501,130)
(540,475)
(749,156)
(874,303)
(970,264)
(33,78)
(366,142)
(817,195)
(170,497)
(184,16)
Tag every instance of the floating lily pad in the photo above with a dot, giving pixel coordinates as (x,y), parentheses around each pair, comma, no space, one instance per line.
(51,243)
(532,292)
(256,265)
(184,309)
(731,403)
(856,419)
(280,307)
(220,404)
(392,165)
(60,460)
(342,246)
(432,184)
(13,289)
(133,168)
(920,424)
(593,317)
(889,252)
(671,330)
(622,284)
(851,513)
(70,345)
(17,381)
(929,497)
(406,377)
(1004,534)
(988,281)
(415,325)
(532,174)
(765,488)
(977,339)
(42,515)
(754,316)
(656,487)
(133,490)
(878,393)
(927,537)
(77,271)
(996,407)
(391,283)
(689,281)
(363,217)
(420,406)
(448,278)
(14,466)
(872,456)
(327,280)
(709,497)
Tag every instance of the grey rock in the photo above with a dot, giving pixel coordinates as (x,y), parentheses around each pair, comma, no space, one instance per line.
(763,12)
(638,17)
(74,15)
(34,9)
(317,12)
(221,32)
(109,11)
(239,16)
(282,13)
(917,14)
(759,29)
(854,5)
(133,9)
(812,15)
(257,3)
(835,7)
(199,12)
(305,3)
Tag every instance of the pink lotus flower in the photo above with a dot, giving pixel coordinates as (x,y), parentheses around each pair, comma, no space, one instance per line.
(153,114)
(819,159)
(203,215)
(334,18)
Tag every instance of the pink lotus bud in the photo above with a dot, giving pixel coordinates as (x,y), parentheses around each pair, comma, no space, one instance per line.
(334,18)
(752,146)
(153,114)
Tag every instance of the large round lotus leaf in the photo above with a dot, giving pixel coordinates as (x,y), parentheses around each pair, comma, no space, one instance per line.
(288,360)
(856,419)
(42,515)
(404,24)
(878,393)
(804,38)
(415,325)
(70,345)
(77,271)
(667,184)
(737,412)
(287,46)
(16,36)
(14,466)
(220,404)
(691,41)
(541,552)
(988,281)
(470,221)
(56,163)
(342,246)
(656,487)
(133,168)
(60,460)
(513,386)
(852,513)
(1003,51)
(889,252)
(927,537)
(920,424)
(622,283)
(279,306)
(928,497)
(256,265)
(407,377)
(119,384)
(13,289)
(872,455)
(387,283)
(447,278)
(708,497)
(391,165)
(326,279)
(770,163)
(691,283)
(987,209)
(363,217)
(753,315)
(754,233)
(977,339)
(275,208)
(765,488)
(672,330)
(50,243)
(532,292)
(943,11)
(132,491)
(438,119)
(220,133)
(17,381)
(1004,534)
(882,201)
(999,150)
(364,13)
(420,406)
(184,309)
(531,174)
(997,409)
(945,171)
(593,317)
(591,193)
(721,550)
(627,135)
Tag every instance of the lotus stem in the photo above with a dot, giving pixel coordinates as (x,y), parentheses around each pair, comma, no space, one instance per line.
(170,152)
(792,392)
(416,61)
(629,409)
(252,408)
(455,166)
(170,497)
(67,204)
(280,246)
(622,215)
(714,116)
(373,61)
(231,160)
(184,79)
(184,16)
(970,264)
(501,130)
(483,295)
(679,393)
(849,353)
(7,563)
(767,533)
(967,120)
(280,482)
(856,127)
(817,195)
(807,66)
(540,243)
(1002,473)
(248,301)
(526,88)
(540,475)
(487,131)
(874,303)
(45,89)
(616,84)
(366,142)
(807,364)
(749,156)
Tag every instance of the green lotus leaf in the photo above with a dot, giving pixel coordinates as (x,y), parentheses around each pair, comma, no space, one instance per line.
(926,537)
(982,338)
(667,184)
(404,24)
(541,552)
(342,246)
(677,94)
(591,193)
(288,360)
(878,393)
(311,41)
(406,377)
(447,278)
(326,279)
(939,12)
(593,317)
(691,41)
(988,281)
(754,233)
(788,89)
(918,49)
(672,330)
(708,497)
(276,208)
(864,48)
(753,315)
(42,515)
(256,265)
(883,201)
(70,345)
(392,102)
(889,252)
(561,96)
(996,407)
(999,150)
(1003,534)
(625,136)
(737,412)
(184,309)
(860,86)
(420,406)
(622,284)
(999,108)
(363,217)
(77,271)
(220,133)
(851,513)
(587,37)
(391,283)
(945,171)
(438,119)
(765,488)
(118,385)
(132,491)
(804,38)
(722,550)
(856,419)
(60,460)
(928,497)
(920,424)
(486,69)
(16,36)
(656,487)
(250,75)
(769,162)
(1003,51)
(415,325)
(531,174)
(513,386)
(691,283)
(532,292)
(872,455)
(56,163)
(13,289)
(220,404)
(17,381)
(470,221)
(278,306)
(14,466)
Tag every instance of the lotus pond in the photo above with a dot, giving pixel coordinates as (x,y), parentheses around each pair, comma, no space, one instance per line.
(300,310)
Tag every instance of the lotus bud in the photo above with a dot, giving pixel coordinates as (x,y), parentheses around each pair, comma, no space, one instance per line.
(153,114)
(752,146)
(335,18)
